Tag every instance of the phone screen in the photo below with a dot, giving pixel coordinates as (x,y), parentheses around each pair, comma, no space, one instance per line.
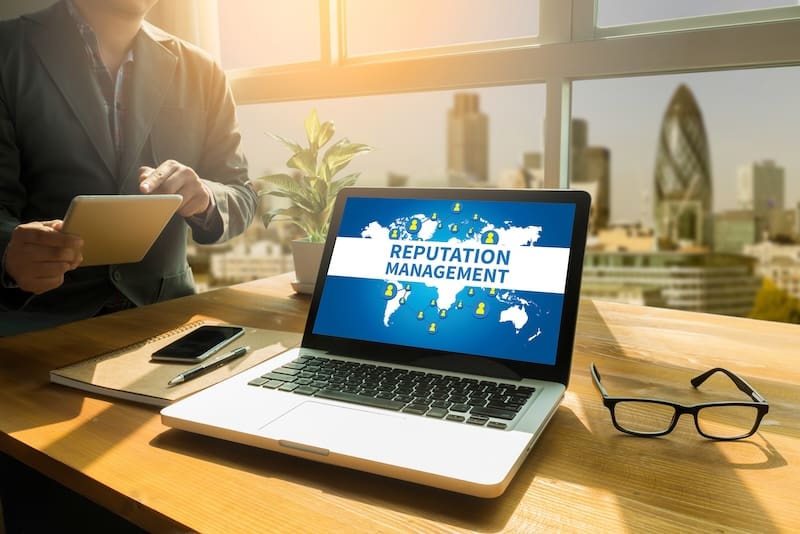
(198,344)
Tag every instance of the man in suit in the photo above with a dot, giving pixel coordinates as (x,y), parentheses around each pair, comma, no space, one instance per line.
(94,100)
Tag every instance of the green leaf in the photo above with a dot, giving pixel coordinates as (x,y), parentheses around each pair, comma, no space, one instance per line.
(325,133)
(341,183)
(311,191)
(305,160)
(339,155)
(291,145)
(312,129)
(282,182)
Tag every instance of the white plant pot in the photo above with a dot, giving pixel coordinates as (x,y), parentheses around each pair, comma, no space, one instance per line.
(307,257)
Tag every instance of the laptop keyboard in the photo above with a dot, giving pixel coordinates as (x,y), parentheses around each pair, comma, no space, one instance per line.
(441,396)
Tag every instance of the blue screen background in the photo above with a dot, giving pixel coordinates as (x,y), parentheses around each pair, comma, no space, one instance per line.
(355,307)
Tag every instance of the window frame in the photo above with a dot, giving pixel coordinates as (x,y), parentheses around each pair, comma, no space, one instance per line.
(568,48)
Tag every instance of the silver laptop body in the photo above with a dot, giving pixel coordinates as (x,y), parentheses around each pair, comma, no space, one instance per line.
(438,344)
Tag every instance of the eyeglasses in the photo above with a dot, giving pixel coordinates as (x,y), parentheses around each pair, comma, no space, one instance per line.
(715,420)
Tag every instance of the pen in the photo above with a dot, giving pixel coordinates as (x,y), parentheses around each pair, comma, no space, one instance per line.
(211,364)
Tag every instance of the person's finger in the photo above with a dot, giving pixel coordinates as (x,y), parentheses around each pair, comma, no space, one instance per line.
(158,176)
(45,235)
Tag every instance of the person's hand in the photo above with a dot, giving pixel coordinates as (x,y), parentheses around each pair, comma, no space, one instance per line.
(38,255)
(172,177)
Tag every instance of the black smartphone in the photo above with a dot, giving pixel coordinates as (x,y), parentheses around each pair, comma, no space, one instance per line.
(198,344)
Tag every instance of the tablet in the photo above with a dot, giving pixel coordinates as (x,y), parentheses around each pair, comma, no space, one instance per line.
(118,228)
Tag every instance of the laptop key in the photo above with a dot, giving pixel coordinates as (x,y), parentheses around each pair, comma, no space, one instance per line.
(436,412)
(360,399)
(477,421)
(455,417)
(493,412)
(417,409)
(278,376)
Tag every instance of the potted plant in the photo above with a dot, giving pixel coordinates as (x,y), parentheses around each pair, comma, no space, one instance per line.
(310,191)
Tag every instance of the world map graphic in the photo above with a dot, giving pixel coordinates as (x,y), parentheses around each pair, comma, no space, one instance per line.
(469,277)
(443,298)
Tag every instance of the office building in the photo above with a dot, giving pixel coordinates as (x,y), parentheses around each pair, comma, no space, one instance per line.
(682,189)
(598,171)
(245,262)
(467,141)
(716,283)
(578,142)
(784,225)
(779,263)
(532,160)
(622,237)
(590,165)
(735,229)
(760,187)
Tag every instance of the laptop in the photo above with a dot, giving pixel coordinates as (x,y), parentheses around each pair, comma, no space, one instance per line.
(438,343)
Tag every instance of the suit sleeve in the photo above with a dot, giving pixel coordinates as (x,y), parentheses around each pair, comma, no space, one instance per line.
(12,194)
(223,168)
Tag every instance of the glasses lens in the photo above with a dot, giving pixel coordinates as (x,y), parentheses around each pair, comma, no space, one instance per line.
(727,421)
(644,417)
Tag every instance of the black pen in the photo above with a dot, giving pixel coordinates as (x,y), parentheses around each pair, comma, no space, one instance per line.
(211,364)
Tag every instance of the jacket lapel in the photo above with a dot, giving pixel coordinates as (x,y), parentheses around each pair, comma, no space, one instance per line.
(153,70)
(61,49)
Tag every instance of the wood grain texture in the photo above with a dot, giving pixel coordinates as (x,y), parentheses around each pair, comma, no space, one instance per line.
(582,475)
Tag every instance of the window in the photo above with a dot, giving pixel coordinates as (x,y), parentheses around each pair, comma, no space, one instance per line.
(564,95)
(257,33)
(752,124)
(380,26)
(392,124)
(619,17)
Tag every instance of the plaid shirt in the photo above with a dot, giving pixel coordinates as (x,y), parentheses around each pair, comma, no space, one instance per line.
(115,96)
(112,87)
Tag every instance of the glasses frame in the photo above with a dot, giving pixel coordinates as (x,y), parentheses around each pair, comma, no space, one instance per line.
(758,402)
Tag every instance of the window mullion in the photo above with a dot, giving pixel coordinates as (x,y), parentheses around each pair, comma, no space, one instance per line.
(558,111)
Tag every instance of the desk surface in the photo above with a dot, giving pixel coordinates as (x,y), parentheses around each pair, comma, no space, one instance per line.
(582,475)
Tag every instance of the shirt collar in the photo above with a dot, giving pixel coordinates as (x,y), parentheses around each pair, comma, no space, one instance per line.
(88,33)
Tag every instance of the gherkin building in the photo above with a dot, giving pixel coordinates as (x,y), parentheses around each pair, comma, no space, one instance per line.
(682,193)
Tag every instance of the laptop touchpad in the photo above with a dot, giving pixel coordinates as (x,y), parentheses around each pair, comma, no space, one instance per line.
(313,425)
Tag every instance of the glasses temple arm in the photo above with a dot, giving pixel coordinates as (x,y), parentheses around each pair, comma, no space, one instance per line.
(597,383)
(743,386)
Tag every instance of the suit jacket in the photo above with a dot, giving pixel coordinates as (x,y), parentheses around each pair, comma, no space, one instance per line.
(55,143)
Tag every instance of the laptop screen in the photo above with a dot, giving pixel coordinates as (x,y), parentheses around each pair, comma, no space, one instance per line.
(463,274)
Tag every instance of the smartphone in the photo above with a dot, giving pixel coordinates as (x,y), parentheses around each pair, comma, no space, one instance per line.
(198,344)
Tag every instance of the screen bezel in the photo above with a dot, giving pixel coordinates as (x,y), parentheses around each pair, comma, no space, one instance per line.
(455,362)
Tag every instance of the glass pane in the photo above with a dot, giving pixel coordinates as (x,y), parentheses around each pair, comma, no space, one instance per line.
(475,137)
(378,26)
(257,33)
(622,12)
(645,417)
(700,183)
(727,421)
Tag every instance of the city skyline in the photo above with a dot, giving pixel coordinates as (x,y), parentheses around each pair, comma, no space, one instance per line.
(742,128)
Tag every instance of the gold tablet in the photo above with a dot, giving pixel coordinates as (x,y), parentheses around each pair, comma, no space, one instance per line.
(118,228)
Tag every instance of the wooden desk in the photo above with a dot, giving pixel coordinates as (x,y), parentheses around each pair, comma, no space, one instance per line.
(582,476)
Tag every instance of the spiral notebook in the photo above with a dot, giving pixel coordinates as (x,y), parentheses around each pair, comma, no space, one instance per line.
(128,373)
